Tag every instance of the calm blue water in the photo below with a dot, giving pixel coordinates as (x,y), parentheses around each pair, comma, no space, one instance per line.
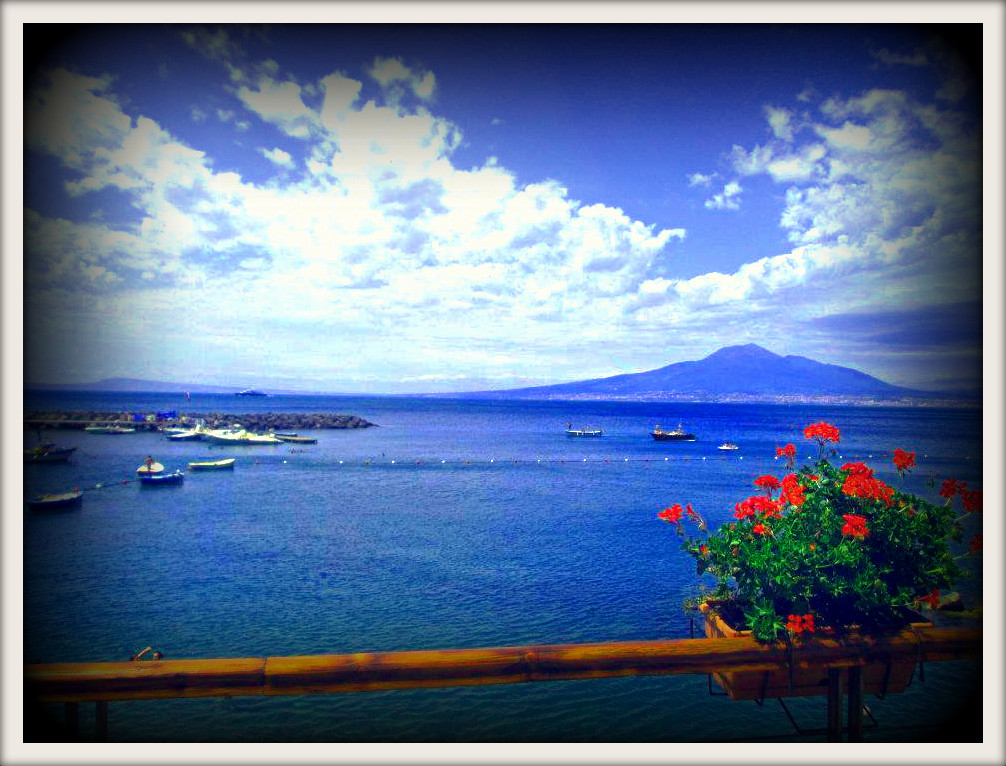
(452,524)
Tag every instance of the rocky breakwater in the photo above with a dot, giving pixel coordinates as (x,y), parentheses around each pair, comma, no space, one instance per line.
(264,422)
(261,422)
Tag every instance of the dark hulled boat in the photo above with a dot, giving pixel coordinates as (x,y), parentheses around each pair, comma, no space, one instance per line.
(677,435)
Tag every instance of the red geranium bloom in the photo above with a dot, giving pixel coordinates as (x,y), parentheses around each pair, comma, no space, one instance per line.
(703,550)
(972,500)
(952,487)
(864,485)
(788,451)
(792,491)
(933,599)
(759,529)
(768,482)
(976,544)
(797,624)
(855,526)
(903,460)
(823,432)
(858,468)
(671,515)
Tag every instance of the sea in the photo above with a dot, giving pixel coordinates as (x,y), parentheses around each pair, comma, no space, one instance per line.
(452,523)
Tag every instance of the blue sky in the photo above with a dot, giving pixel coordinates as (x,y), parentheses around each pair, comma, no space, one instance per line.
(390,209)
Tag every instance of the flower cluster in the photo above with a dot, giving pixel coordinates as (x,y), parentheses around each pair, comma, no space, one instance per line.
(829,546)
(797,624)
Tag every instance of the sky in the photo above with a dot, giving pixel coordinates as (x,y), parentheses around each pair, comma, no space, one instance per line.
(427,208)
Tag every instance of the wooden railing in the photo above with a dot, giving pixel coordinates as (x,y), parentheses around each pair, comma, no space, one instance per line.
(104,682)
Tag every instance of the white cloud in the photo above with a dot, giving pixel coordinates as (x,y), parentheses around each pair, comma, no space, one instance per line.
(278,156)
(700,179)
(728,199)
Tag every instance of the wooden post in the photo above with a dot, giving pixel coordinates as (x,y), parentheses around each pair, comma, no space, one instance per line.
(101,721)
(856,703)
(834,704)
(71,715)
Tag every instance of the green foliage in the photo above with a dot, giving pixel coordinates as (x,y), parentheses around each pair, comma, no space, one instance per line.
(836,543)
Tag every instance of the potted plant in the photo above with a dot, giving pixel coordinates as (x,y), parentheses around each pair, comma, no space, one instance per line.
(824,550)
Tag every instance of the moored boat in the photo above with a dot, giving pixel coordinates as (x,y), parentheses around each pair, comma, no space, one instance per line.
(109,430)
(295,439)
(678,434)
(150,467)
(161,479)
(47,452)
(211,464)
(581,432)
(58,500)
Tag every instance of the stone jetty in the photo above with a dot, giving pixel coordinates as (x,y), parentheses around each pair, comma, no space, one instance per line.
(258,422)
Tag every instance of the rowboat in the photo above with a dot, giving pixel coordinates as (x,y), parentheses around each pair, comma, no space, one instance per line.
(47,452)
(211,464)
(55,501)
(678,434)
(161,479)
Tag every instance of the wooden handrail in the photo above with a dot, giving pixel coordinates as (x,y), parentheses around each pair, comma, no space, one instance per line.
(338,673)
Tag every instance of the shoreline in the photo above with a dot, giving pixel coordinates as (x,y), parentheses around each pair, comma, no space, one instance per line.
(255,422)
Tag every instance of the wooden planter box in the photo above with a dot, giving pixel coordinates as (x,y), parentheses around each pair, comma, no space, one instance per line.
(880,678)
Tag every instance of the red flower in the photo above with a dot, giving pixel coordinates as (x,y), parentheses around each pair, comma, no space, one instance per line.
(855,526)
(671,515)
(768,482)
(703,550)
(976,544)
(972,500)
(865,486)
(903,460)
(952,487)
(823,432)
(789,451)
(858,468)
(813,546)
(689,511)
(933,599)
(759,529)
(792,491)
(798,624)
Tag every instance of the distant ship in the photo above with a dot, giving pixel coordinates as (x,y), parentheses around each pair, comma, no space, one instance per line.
(678,434)
(251,392)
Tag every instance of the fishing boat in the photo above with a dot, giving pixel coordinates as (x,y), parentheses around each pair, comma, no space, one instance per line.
(47,452)
(109,430)
(211,464)
(56,501)
(728,446)
(581,432)
(161,479)
(150,468)
(678,434)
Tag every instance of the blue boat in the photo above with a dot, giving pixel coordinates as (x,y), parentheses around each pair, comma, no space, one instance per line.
(162,479)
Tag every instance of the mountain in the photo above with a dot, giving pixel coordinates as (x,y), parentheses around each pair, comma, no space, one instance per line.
(736,373)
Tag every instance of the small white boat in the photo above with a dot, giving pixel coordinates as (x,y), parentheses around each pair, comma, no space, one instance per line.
(109,430)
(151,468)
(193,434)
(59,500)
(295,439)
(211,464)
(728,446)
